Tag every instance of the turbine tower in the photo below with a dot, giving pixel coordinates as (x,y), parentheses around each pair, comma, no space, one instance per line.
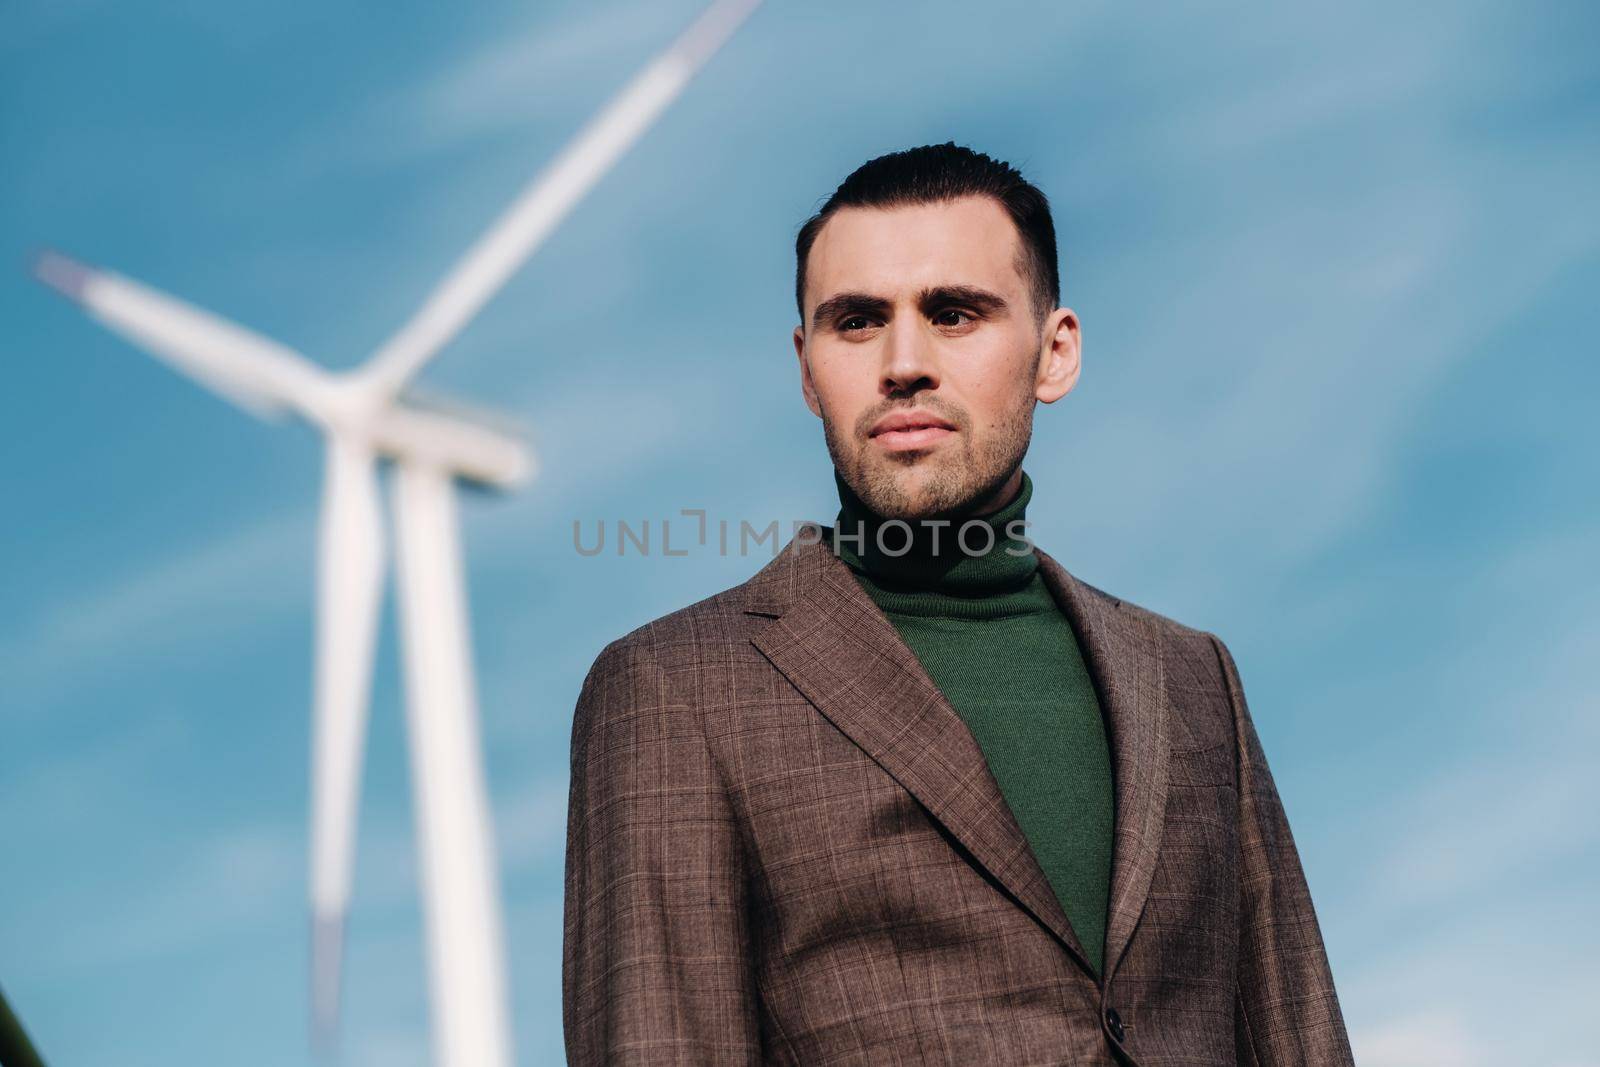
(365,415)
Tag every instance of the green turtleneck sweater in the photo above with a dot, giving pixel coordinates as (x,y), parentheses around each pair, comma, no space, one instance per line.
(992,638)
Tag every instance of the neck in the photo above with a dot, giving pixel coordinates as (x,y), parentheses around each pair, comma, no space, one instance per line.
(980,554)
(1005,494)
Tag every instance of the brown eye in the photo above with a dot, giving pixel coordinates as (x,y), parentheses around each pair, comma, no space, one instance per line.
(951,317)
(860,319)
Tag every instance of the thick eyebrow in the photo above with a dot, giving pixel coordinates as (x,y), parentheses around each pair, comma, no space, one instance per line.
(841,305)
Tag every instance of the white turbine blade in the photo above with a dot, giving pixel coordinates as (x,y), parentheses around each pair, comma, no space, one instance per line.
(350,566)
(466,965)
(489,264)
(258,374)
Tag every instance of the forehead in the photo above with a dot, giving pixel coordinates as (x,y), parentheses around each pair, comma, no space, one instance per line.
(895,252)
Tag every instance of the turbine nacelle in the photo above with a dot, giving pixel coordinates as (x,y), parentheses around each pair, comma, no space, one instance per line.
(475,447)
(468,449)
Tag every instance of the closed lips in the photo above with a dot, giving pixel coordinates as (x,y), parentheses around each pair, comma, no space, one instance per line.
(903,421)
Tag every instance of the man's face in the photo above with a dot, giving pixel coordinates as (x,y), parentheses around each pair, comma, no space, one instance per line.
(923,311)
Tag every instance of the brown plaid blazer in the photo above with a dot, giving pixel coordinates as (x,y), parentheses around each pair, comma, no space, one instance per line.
(784,846)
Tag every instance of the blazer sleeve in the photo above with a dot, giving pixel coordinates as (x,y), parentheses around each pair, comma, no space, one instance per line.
(1285,1010)
(656,963)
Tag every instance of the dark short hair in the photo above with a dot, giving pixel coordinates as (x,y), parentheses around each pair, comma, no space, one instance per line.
(935,173)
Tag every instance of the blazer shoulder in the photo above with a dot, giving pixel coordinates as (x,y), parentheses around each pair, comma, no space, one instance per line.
(669,669)
(695,634)
(1196,677)
(1157,625)
(1164,626)
(1197,656)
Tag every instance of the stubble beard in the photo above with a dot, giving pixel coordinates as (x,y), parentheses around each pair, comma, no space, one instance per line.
(943,482)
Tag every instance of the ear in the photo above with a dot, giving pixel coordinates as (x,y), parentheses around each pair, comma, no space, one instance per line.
(1060,355)
(807,388)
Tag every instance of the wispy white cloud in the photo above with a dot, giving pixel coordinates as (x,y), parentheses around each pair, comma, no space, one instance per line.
(391,1047)
(1467,1004)
(179,601)
(84,772)
(549,68)
(510,78)
(1317,394)
(531,823)
(1438,1038)
(215,888)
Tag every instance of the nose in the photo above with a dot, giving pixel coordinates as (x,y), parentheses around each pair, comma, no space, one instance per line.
(908,360)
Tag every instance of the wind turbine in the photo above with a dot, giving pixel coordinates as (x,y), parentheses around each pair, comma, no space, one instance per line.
(365,415)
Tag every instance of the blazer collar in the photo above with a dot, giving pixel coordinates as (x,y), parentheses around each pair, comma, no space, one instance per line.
(845,656)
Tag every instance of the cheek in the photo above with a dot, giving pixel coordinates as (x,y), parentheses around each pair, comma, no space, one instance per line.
(844,387)
(996,394)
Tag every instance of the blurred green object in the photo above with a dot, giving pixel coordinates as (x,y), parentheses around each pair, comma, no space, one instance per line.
(15,1048)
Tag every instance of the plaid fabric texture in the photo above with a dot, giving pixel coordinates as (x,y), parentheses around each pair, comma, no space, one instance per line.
(785,847)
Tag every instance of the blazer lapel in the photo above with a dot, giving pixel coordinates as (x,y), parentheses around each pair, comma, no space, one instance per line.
(835,645)
(1124,660)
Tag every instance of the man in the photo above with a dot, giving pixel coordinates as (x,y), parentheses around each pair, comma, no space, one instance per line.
(913,793)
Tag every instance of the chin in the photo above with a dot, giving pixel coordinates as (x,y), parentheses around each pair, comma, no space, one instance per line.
(906,486)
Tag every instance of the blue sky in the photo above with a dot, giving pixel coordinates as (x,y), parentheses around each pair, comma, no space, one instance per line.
(1336,270)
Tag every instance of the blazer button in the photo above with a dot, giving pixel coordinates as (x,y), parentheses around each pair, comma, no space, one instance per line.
(1114,1024)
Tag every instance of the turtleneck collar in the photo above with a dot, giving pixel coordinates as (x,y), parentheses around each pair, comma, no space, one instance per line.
(935,561)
